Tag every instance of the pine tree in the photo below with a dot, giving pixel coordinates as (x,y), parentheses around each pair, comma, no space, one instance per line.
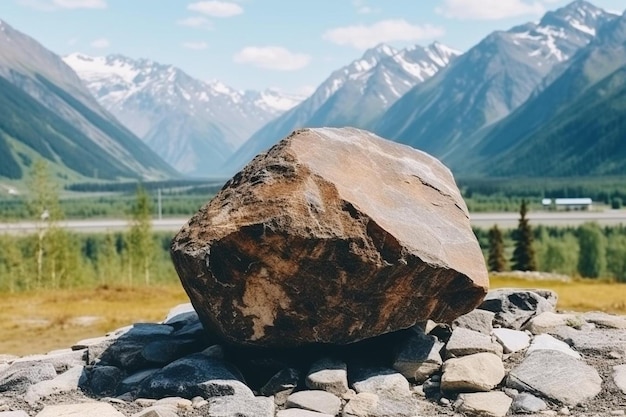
(496,260)
(592,258)
(523,254)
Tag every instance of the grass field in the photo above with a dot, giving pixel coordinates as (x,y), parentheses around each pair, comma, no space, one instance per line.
(42,321)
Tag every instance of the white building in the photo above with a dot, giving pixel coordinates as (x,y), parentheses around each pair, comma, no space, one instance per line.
(567,204)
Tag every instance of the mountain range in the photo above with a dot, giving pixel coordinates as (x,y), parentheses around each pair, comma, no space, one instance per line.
(47,112)
(541,99)
(193,125)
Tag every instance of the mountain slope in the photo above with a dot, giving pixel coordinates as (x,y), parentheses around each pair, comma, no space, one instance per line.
(355,95)
(48,113)
(193,125)
(488,82)
(576,125)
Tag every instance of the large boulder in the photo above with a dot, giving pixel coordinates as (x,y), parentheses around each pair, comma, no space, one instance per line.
(332,236)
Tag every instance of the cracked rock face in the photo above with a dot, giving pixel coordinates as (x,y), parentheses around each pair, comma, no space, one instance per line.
(333,236)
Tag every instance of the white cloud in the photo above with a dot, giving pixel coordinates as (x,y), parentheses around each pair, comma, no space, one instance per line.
(362,36)
(490,9)
(72,41)
(80,4)
(196,22)
(272,57)
(195,45)
(216,8)
(100,43)
(362,8)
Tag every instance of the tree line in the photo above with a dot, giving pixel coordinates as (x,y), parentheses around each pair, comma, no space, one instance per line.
(54,258)
(588,251)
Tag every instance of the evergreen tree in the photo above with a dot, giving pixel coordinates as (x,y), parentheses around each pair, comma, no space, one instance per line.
(592,258)
(523,254)
(496,260)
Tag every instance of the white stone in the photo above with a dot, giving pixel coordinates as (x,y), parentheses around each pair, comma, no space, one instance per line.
(361,405)
(66,382)
(511,340)
(328,375)
(468,342)
(547,342)
(484,404)
(619,376)
(90,409)
(315,400)
(548,320)
(296,412)
(478,372)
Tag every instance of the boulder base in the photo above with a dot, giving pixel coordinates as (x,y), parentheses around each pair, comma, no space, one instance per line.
(332,236)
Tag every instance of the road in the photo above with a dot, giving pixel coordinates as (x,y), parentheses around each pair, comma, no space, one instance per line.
(482,220)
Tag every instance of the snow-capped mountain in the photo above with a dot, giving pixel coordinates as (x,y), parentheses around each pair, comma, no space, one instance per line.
(355,95)
(445,114)
(194,125)
(48,113)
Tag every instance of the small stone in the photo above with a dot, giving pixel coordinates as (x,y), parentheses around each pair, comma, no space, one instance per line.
(547,342)
(477,320)
(484,404)
(619,376)
(528,403)
(19,376)
(66,382)
(512,340)
(419,390)
(614,355)
(61,359)
(198,402)
(315,400)
(145,402)
(177,402)
(445,402)
(104,380)
(605,320)
(383,382)
(296,412)
(157,411)
(618,413)
(514,307)
(89,409)
(465,342)
(548,320)
(241,406)
(328,375)
(361,405)
(418,356)
(477,372)
(281,385)
(557,376)
(564,411)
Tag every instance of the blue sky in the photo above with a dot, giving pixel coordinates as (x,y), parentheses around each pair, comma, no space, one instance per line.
(292,45)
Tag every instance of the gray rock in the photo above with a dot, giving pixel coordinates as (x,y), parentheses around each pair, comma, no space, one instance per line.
(477,372)
(19,376)
(418,356)
(362,405)
(467,342)
(89,409)
(162,352)
(547,342)
(557,376)
(131,382)
(66,382)
(404,249)
(194,375)
(619,376)
(157,411)
(296,412)
(328,375)
(511,340)
(605,320)
(182,313)
(483,404)
(315,400)
(593,342)
(526,403)
(241,406)
(513,307)
(281,385)
(104,380)
(548,320)
(62,359)
(477,320)
(383,382)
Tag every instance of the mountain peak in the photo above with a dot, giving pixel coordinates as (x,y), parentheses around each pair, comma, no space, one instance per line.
(579,15)
(378,52)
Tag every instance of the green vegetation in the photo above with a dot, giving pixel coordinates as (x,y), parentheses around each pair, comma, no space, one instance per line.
(524,253)
(496,260)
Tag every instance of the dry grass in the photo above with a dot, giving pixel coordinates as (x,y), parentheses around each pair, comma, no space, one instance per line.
(42,321)
(38,322)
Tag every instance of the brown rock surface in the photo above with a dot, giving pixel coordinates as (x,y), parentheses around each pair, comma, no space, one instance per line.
(333,236)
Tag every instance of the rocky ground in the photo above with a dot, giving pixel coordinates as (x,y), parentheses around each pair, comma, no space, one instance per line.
(513,356)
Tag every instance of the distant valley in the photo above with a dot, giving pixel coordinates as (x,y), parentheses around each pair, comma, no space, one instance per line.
(540,99)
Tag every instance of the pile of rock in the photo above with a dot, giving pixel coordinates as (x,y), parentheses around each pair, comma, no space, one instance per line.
(534,361)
